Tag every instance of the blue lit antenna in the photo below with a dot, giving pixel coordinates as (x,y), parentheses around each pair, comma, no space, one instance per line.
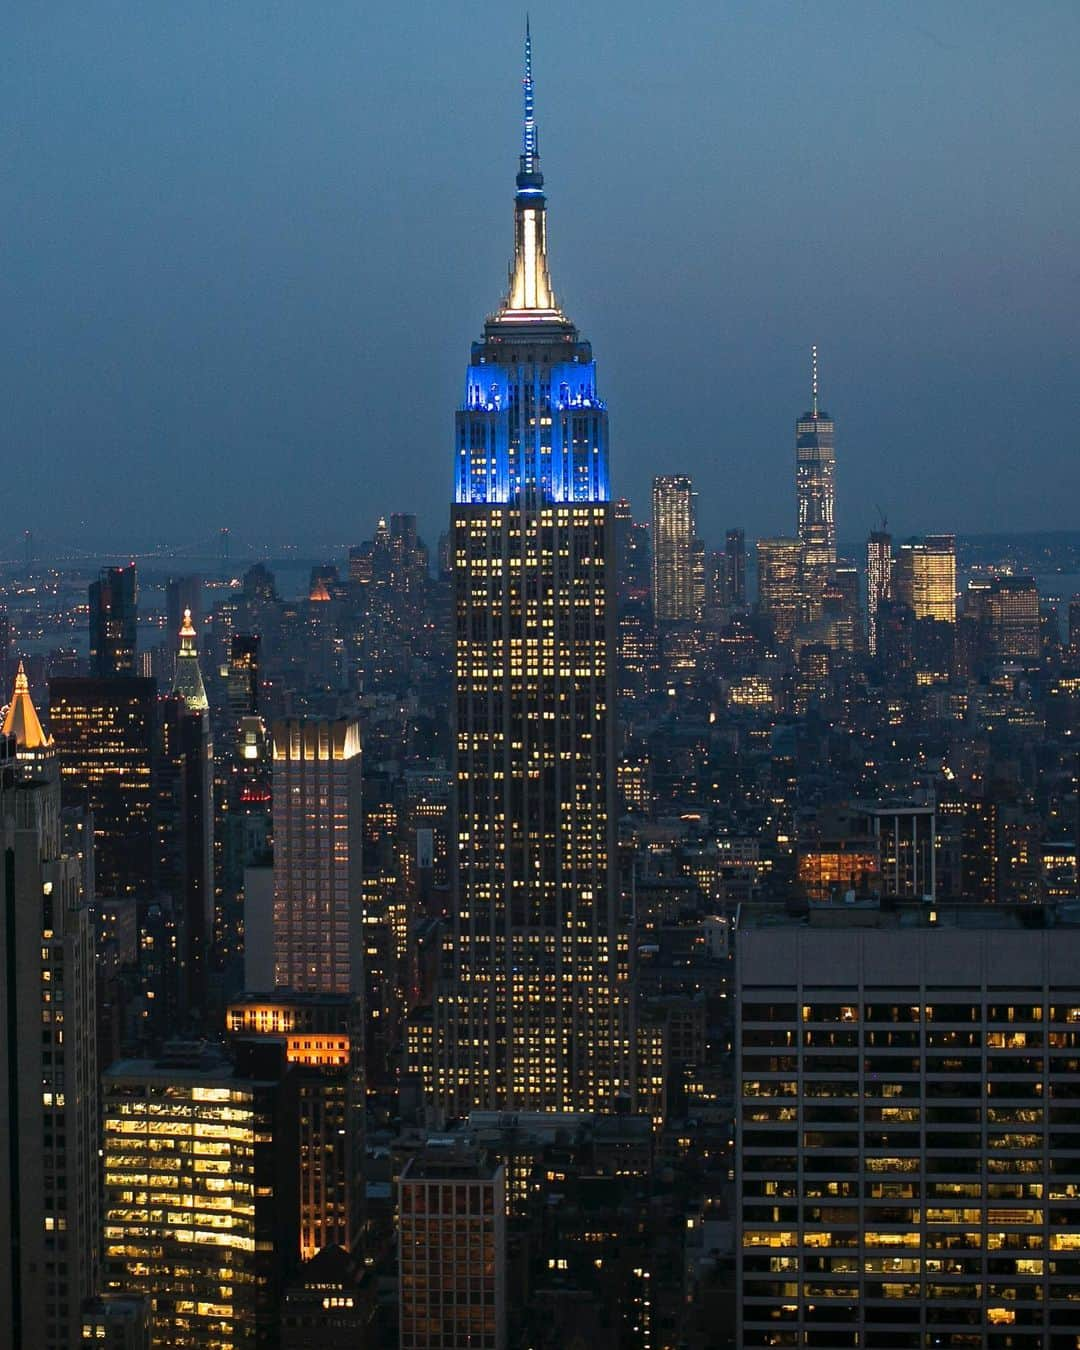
(529,153)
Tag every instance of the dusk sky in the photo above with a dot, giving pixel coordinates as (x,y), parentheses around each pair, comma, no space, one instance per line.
(246,247)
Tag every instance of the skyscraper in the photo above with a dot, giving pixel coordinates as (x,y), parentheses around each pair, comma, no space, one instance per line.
(779,573)
(533,1015)
(925,577)
(815,488)
(113,619)
(879,581)
(318,914)
(674,531)
(201,1191)
(906,1162)
(106,732)
(735,568)
(49,1214)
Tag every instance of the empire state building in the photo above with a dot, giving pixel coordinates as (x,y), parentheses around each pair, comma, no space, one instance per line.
(534,1013)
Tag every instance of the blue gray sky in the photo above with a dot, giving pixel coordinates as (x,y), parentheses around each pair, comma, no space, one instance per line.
(246,247)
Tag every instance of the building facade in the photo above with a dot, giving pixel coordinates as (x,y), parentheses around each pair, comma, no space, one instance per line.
(200,1195)
(925,577)
(533,1014)
(114,601)
(49,1209)
(674,531)
(453,1252)
(879,581)
(908,1145)
(318,900)
(780,584)
(815,491)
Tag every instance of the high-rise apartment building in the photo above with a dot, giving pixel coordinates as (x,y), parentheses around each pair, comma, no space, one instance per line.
(879,581)
(907,1151)
(453,1252)
(49,1209)
(534,1013)
(925,577)
(114,599)
(779,564)
(815,490)
(318,902)
(106,732)
(200,1192)
(674,530)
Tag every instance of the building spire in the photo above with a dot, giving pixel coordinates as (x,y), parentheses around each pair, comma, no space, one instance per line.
(529,151)
(813,379)
(21,719)
(188,680)
(530,295)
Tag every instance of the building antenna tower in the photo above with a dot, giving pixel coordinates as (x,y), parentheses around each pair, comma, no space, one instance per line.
(813,379)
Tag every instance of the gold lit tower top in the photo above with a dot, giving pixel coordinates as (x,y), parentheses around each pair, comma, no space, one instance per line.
(188,680)
(530,297)
(21,719)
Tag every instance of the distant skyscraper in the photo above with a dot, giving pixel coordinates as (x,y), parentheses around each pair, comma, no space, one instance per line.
(815,487)
(779,578)
(185,820)
(879,581)
(182,594)
(735,563)
(318,899)
(113,621)
(534,1016)
(106,736)
(1011,613)
(674,531)
(925,577)
(49,1211)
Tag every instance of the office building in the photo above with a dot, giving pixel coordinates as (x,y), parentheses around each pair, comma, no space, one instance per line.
(453,1251)
(105,732)
(925,577)
(200,1193)
(815,489)
(879,579)
(116,1322)
(779,585)
(114,599)
(243,679)
(318,901)
(49,1211)
(1010,611)
(906,1154)
(324,1046)
(533,1015)
(674,530)
(330,1304)
(735,568)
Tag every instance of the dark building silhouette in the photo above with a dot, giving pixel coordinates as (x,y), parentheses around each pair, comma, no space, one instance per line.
(113,621)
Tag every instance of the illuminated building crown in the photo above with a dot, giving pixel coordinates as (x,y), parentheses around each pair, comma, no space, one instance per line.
(531,419)
(188,680)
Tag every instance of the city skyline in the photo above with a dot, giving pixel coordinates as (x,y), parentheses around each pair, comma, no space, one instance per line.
(275,240)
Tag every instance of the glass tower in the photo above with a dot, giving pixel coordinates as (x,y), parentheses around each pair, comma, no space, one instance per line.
(815,488)
(532,1015)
